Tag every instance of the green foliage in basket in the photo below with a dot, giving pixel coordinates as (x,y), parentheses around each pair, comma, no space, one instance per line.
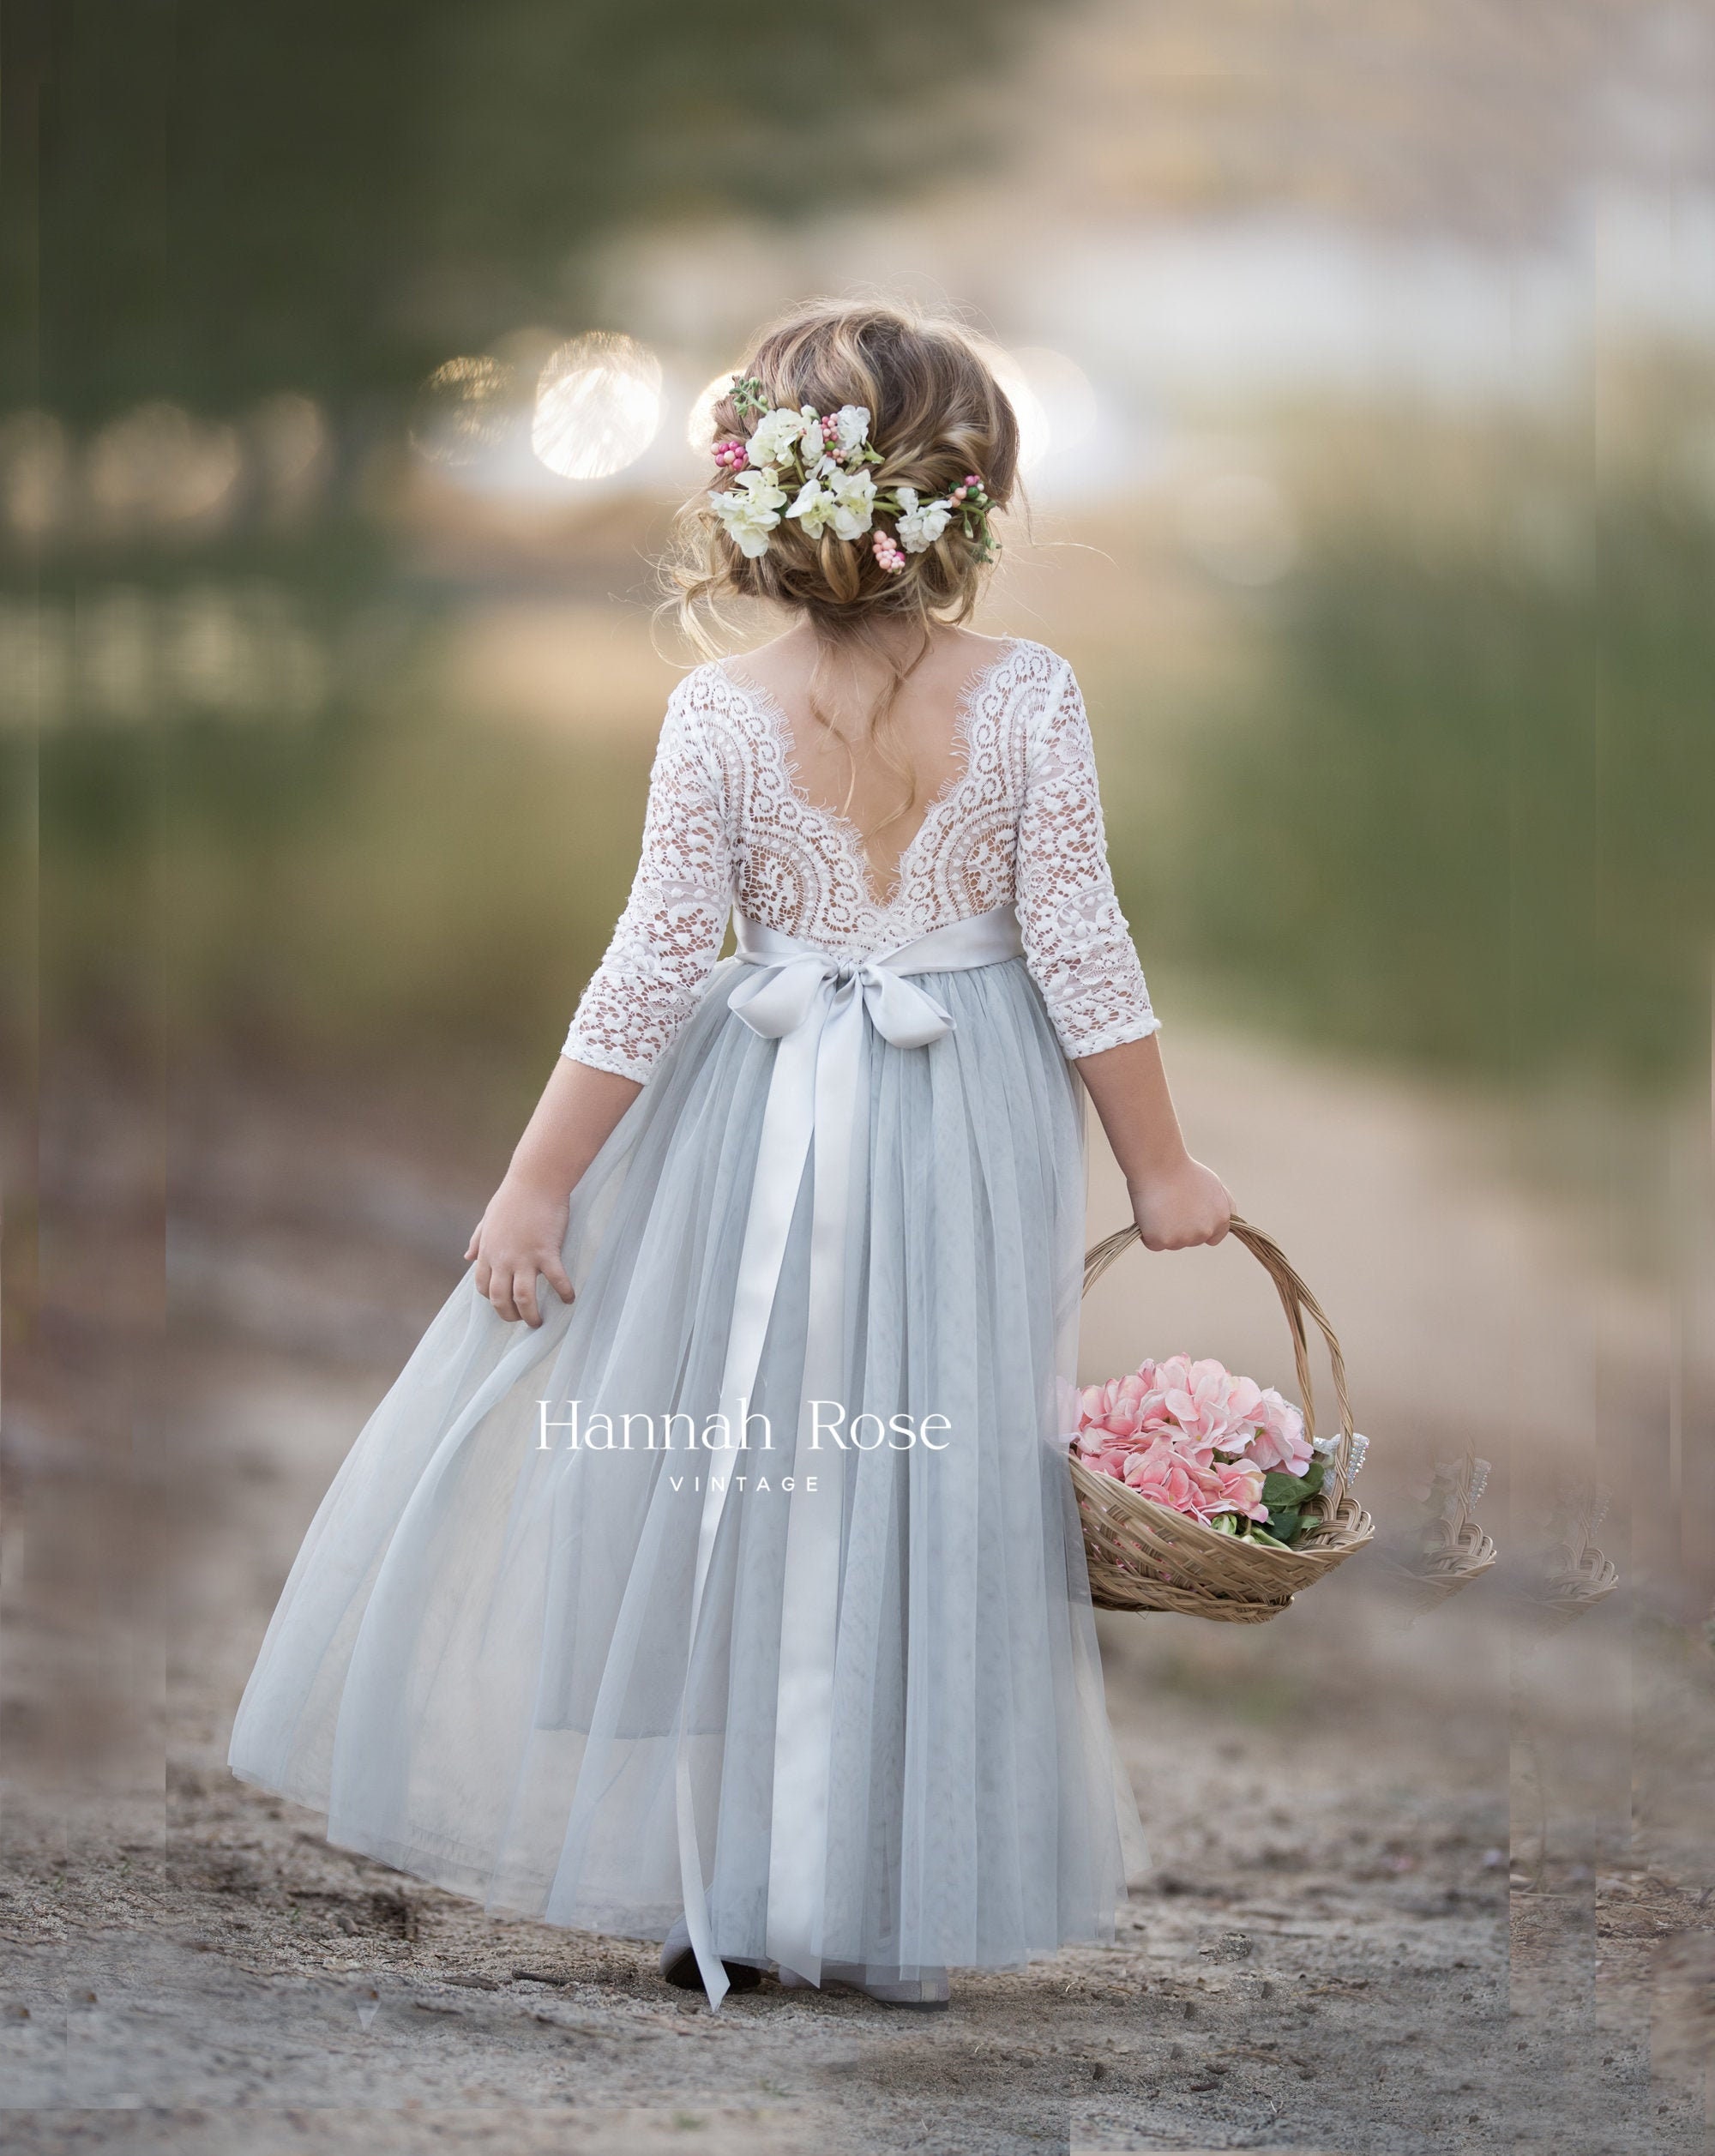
(1285,1496)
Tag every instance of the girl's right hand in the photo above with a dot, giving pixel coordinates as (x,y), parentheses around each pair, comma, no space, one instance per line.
(520,1236)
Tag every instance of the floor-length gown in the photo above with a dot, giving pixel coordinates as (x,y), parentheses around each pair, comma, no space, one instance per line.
(751,1586)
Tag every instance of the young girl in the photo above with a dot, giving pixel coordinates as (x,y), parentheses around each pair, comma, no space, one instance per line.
(736,1597)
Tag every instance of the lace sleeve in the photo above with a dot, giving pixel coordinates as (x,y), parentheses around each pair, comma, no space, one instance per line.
(1076,943)
(668,936)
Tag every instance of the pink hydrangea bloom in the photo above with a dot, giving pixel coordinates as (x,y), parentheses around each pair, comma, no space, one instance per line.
(1166,1477)
(1241,1482)
(1191,1436)
(1116,1408)
(1282,1441)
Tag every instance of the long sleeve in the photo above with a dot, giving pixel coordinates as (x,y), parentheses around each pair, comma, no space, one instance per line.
(668,936)
(1076,943)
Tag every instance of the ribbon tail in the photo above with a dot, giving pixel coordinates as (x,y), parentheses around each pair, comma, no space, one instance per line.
(809,1606)
(783,1151)
(709,1963)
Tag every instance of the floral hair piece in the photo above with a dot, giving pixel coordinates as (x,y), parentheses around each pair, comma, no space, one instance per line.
(812,465)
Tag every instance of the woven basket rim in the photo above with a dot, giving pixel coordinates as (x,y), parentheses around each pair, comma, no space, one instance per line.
(1120,1496)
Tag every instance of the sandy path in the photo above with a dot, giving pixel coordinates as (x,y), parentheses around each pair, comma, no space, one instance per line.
(1325,1958)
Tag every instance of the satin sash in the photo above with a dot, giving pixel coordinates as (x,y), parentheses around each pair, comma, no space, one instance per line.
(822,1010)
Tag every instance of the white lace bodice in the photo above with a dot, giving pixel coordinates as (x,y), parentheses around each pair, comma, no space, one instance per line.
(728,824)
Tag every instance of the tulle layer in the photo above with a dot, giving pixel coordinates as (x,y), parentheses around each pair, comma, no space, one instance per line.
(480,1667)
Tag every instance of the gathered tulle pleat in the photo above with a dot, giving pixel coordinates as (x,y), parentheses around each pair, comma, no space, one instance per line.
(478,1665)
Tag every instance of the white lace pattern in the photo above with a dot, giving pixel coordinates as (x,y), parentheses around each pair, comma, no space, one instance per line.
(728,824)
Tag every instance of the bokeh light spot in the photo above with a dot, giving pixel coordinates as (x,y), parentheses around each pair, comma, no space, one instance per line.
(1062,395)
(700,427)
(35,467)
(464,409)
(598,405)
(158,465)
(1034,432)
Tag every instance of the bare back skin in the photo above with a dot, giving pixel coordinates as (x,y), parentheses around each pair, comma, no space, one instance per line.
(923,728)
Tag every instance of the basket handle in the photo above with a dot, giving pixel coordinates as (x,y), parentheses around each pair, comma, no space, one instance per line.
(1297,1302)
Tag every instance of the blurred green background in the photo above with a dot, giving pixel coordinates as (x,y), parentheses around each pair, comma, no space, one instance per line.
(1372,431)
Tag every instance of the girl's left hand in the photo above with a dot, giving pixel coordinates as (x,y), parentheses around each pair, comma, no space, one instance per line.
(1181,1207)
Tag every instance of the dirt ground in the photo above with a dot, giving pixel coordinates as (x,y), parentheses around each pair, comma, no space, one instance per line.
(1420,1884)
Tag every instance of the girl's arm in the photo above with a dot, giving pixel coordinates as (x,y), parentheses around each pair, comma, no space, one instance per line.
(645,988)
(523,1231)
(1176,1201)
(1082,955)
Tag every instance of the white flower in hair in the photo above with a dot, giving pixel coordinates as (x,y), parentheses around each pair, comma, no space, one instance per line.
(823,460)
(778,432)
(854,503)
(851,427)
(816,507)
(919,529)
(750,509)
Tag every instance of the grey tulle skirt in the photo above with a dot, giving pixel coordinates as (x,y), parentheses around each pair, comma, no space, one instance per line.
(482,1668)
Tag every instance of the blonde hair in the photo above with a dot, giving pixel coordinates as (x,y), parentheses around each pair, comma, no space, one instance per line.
(936,414)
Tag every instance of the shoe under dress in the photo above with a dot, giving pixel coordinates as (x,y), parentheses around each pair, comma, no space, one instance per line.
(679,1968)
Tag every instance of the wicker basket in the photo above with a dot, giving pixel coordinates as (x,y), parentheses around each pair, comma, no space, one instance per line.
(1144,1557)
